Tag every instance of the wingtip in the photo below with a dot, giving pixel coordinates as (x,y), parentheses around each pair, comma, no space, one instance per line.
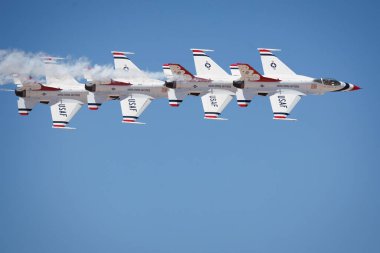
(133,122)
(60,127)
(213,118)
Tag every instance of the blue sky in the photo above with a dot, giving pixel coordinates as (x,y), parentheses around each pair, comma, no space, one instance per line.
(181,183)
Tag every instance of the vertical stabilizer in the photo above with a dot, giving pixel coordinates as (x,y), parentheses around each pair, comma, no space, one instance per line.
(273,66)
(206,67)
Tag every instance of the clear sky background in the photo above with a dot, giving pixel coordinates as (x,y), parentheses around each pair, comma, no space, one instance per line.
(181,183)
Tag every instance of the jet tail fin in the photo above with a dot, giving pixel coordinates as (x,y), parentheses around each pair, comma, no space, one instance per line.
(122,62)
(177,71)
(273,66)
(235,70)
(167,71)
(56,76)
(247,72)
(207,67)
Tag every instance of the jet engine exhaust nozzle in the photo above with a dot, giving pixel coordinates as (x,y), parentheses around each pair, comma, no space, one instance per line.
(90,87)
(171,85)
(20,93)
(238,84)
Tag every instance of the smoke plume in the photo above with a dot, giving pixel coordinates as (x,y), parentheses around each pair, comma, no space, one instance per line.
(25,65)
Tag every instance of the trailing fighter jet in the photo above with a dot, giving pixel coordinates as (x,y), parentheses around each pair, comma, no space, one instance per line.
(64,94)
(284,86)
(135,92)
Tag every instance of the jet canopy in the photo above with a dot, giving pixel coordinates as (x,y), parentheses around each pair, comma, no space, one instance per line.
(327,81)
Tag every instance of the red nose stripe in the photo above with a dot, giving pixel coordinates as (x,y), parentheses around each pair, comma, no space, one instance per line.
(356,88)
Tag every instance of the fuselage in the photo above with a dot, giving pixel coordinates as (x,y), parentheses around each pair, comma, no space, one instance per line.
(120,88)
(200,86)
(303,84)
(47,94)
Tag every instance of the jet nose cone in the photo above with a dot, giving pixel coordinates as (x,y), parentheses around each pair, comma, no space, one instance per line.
(355,87)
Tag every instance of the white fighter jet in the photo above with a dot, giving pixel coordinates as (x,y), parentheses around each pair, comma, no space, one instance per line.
(207,68)
(211,82)
(62,92)
(283,86)
(135,92)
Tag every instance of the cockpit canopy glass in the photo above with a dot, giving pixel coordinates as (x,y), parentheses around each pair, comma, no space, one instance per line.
(327,81)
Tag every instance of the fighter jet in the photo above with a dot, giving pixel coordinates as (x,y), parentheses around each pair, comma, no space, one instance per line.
(211,82)
(283,86)
(62,92)
(135,92)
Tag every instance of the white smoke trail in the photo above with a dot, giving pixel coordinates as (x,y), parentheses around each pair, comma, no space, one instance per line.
(21,63)
(24,64)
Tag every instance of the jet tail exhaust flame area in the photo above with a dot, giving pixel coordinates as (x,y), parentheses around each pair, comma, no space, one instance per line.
(21,64)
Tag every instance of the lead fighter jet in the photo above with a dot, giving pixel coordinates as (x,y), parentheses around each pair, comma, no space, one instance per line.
(284,86)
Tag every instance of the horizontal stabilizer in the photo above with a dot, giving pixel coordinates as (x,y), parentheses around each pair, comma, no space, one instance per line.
(176,96)
(243,97)
(25,105)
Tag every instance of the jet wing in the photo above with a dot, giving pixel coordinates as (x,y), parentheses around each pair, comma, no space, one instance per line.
(283,103)
(63,111)
(214,103)
(133,106)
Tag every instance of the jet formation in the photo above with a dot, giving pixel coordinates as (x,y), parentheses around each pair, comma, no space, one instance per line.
(211,83)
